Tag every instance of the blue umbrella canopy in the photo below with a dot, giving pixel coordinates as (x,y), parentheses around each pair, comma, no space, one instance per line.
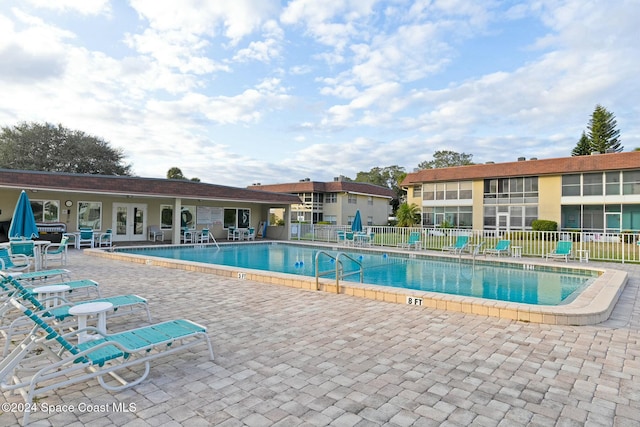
(356,225)
(23,223)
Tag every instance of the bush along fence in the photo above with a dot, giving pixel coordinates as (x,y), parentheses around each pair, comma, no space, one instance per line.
(615,247)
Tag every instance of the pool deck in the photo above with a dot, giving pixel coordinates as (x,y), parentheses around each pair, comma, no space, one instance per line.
(287,356)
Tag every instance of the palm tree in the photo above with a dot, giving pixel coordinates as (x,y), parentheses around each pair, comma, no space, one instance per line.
(408,215)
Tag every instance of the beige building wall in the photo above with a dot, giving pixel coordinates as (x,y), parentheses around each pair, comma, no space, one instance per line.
(550,194)
(478,203)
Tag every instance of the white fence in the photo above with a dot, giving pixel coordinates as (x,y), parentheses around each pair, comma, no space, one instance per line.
(618,247)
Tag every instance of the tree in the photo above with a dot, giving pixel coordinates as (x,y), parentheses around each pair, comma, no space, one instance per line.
(583,148)
(445,159)
(46,147)
(390,177)
(602,131)
(175,173)
(408,215)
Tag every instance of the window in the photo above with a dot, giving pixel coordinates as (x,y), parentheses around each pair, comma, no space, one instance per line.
(352,199)
(331,219)
(417,189)
(90,215)
(466,190)
(428,192)
(440,191)
(631,182)
(571,185)
(506,191)
(331,198)
(370,201)
(240,218)
(369,220)
(188,217)
(46,210)
(612,183)
(592,184)
(455,216)
(530,215)
(166,217)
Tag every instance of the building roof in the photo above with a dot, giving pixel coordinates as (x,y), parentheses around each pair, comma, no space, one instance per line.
(128,185)
(328,187)
(564,165)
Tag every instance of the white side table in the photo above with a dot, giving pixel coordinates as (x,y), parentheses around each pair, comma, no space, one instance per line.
(516,251)
(52,294)
(84,311)
(583,255)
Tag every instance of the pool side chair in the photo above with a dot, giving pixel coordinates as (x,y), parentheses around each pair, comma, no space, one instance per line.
(13,263)
(46,360)
(43,276)
(24,247)
(349,238)
(414,241)
(105,240)
(9,327)
(340,237)
(563,250)
(85,238)
(87,286)
(502,247)
(155,233)
(460,245)
(251,233)
(203,236)
(55,251)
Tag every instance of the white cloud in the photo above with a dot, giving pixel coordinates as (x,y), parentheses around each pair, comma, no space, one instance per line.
(84,7)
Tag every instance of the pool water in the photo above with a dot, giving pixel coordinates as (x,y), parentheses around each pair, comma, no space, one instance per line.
(479,279)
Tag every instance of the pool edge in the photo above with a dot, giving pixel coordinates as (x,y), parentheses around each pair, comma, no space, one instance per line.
(594,305)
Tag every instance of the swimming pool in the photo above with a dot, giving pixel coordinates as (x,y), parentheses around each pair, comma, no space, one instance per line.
(463,277)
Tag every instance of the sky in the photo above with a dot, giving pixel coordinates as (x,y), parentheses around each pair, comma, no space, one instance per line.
(265,91)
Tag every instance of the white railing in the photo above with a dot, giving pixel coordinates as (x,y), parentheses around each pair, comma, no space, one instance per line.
(617,247)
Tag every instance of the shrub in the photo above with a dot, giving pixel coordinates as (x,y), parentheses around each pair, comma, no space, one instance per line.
(544,225)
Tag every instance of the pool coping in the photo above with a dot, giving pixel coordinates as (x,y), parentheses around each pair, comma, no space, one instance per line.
(593,305)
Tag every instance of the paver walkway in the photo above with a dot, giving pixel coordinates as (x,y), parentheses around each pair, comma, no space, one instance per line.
(287,357)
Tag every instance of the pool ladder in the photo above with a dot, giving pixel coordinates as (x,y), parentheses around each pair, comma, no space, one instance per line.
(339,271)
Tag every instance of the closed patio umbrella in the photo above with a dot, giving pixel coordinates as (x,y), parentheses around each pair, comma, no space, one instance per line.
(23,223)
(356,225)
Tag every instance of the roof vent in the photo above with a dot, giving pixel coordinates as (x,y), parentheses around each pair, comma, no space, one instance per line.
(533,158)
(490,163)
(522,159)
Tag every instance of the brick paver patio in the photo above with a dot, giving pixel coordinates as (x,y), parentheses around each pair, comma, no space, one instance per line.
(289,357)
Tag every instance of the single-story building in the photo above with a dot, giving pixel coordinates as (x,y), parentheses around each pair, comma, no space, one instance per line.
(130,205)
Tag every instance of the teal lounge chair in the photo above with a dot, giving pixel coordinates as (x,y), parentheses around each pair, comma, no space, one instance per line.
(461,244)
(502,247)
(43,275)
(46,360)
(414,241)
(563,250)
(122,305)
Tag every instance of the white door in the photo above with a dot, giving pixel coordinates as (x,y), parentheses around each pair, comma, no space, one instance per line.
(503,222)
(129,222)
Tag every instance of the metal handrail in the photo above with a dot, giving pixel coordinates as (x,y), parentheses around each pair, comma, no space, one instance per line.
(339,271)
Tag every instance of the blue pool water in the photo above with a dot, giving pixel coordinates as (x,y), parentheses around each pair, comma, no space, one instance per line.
(479,279)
